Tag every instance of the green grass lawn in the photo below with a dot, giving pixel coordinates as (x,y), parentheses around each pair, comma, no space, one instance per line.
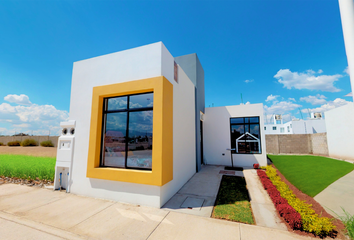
(311,174)
(232,202)
(27,167)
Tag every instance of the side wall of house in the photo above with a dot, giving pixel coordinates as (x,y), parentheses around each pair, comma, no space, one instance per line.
(184,148)
(217,135)
(194,70)
(340,131)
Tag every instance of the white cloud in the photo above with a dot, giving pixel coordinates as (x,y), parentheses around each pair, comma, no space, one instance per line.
(271,98)
(18,99)
(248,81)
(307,80)
(320,71)
(247,103)
(37,118)
(292,99)
(346,70)
(281,107)
(349,94)
(328,106)
(314,100)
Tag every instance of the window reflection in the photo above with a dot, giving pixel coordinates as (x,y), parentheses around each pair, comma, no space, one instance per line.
(140,140)
(245,135)
(117,103)
(114,139)
(132,148)
(141,100)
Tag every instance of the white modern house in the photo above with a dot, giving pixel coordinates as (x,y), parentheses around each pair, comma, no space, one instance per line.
(139,129)
(315,124)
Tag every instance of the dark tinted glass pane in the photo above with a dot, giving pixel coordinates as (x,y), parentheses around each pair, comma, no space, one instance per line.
(114,139)
(141,100)
(140,140)
(247,128)
(236,132)
(254,147)
(254,130)
(236,120)
(117,103)
(247,120)
(254,120)
(242,147)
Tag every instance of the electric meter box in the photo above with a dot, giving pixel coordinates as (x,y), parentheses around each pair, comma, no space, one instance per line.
(65,154)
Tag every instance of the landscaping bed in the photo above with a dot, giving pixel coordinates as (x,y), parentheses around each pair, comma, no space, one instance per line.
(31,182)
(232,202)
(316,219)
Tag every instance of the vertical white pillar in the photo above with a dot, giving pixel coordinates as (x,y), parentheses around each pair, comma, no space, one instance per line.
(347,16)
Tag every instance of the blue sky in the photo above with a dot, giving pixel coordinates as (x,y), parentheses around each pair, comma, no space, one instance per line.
(286,54)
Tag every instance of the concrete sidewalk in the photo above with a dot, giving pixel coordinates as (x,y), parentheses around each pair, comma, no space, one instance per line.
(36,213)
(338,194)
(263,208)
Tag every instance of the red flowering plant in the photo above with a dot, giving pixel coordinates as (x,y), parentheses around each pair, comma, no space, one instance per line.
(290,215)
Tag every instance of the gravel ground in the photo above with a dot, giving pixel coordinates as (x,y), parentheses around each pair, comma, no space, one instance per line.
(32,151)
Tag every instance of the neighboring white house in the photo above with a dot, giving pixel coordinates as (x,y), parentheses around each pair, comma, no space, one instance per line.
(239,128)
(316,124)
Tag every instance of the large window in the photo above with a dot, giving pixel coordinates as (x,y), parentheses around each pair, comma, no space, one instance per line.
(245,135)
(127,132)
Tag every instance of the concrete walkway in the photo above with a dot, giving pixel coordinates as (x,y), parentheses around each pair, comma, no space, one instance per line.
(36,213)
(263,208)
(198,195)
(338,194)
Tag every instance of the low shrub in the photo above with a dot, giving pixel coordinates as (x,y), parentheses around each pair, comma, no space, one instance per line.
(311,222)
(256,166)
(14,143)
(29,142)
(287,212)
(1,144)
(47,143)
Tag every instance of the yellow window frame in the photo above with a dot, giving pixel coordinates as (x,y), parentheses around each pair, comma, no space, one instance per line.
(162,142)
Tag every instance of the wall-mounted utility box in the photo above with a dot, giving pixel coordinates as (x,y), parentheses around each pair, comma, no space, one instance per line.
(65,153)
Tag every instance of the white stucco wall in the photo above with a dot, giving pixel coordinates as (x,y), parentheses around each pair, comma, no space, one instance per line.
(340,132)
(217,135)
(184,156)
(309,126)
(139,63)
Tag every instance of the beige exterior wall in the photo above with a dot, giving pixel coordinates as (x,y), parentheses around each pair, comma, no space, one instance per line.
(39,139)
(297,144)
